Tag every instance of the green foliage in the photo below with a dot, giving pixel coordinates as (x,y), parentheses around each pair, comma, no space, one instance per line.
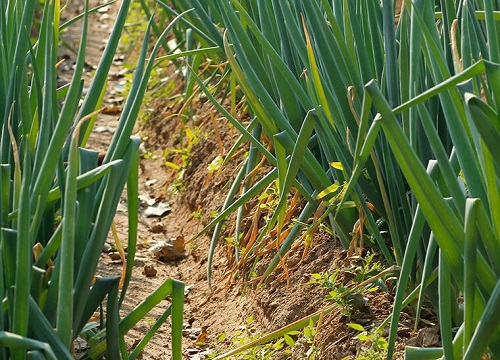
(365,268)
(337,292)
(349,295)
(57,203)
(282,348)
(180,159)
(310,349)
(374,345)
(264,352)
(411,114)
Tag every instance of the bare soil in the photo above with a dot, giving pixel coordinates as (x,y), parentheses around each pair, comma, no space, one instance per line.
(225,308)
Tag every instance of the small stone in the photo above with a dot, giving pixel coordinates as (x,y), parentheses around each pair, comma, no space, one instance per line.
(358,301)
(104,129)
(121,73)
(291,262)
(103,9)
(114,256)
(140,261)
(151,182)
(187,290)
(107,247)
(270,279)
(157,228)
(149,271)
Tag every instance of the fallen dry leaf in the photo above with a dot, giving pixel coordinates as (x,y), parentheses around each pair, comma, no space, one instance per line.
(111,110)
(202,338)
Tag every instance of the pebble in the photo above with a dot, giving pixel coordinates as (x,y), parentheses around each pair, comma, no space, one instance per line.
(149,271)
(140,261)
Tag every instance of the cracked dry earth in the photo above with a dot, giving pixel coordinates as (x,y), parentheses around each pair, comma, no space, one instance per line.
(169,219)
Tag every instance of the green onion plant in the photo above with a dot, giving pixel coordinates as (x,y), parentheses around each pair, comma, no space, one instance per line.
(57,203)
(387,121)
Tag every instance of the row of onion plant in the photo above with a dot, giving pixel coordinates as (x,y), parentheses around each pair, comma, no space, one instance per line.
(57,201)
(389,120)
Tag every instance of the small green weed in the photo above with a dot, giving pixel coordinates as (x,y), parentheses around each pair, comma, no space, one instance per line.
(263,352)
(291,342)
(269,199)
(231,241)
(347,295)
(306,344)
(197,214)
(368,268)
(374,345)
(338,293)
(180,159)
(215,165)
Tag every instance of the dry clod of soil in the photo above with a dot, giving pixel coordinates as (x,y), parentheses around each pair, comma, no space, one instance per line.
(149,271)
(169,250)
(426,337)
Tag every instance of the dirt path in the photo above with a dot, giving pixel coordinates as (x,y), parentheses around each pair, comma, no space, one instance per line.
(173,219)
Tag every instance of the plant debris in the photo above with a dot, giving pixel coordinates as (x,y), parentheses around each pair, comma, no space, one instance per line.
(170,250)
